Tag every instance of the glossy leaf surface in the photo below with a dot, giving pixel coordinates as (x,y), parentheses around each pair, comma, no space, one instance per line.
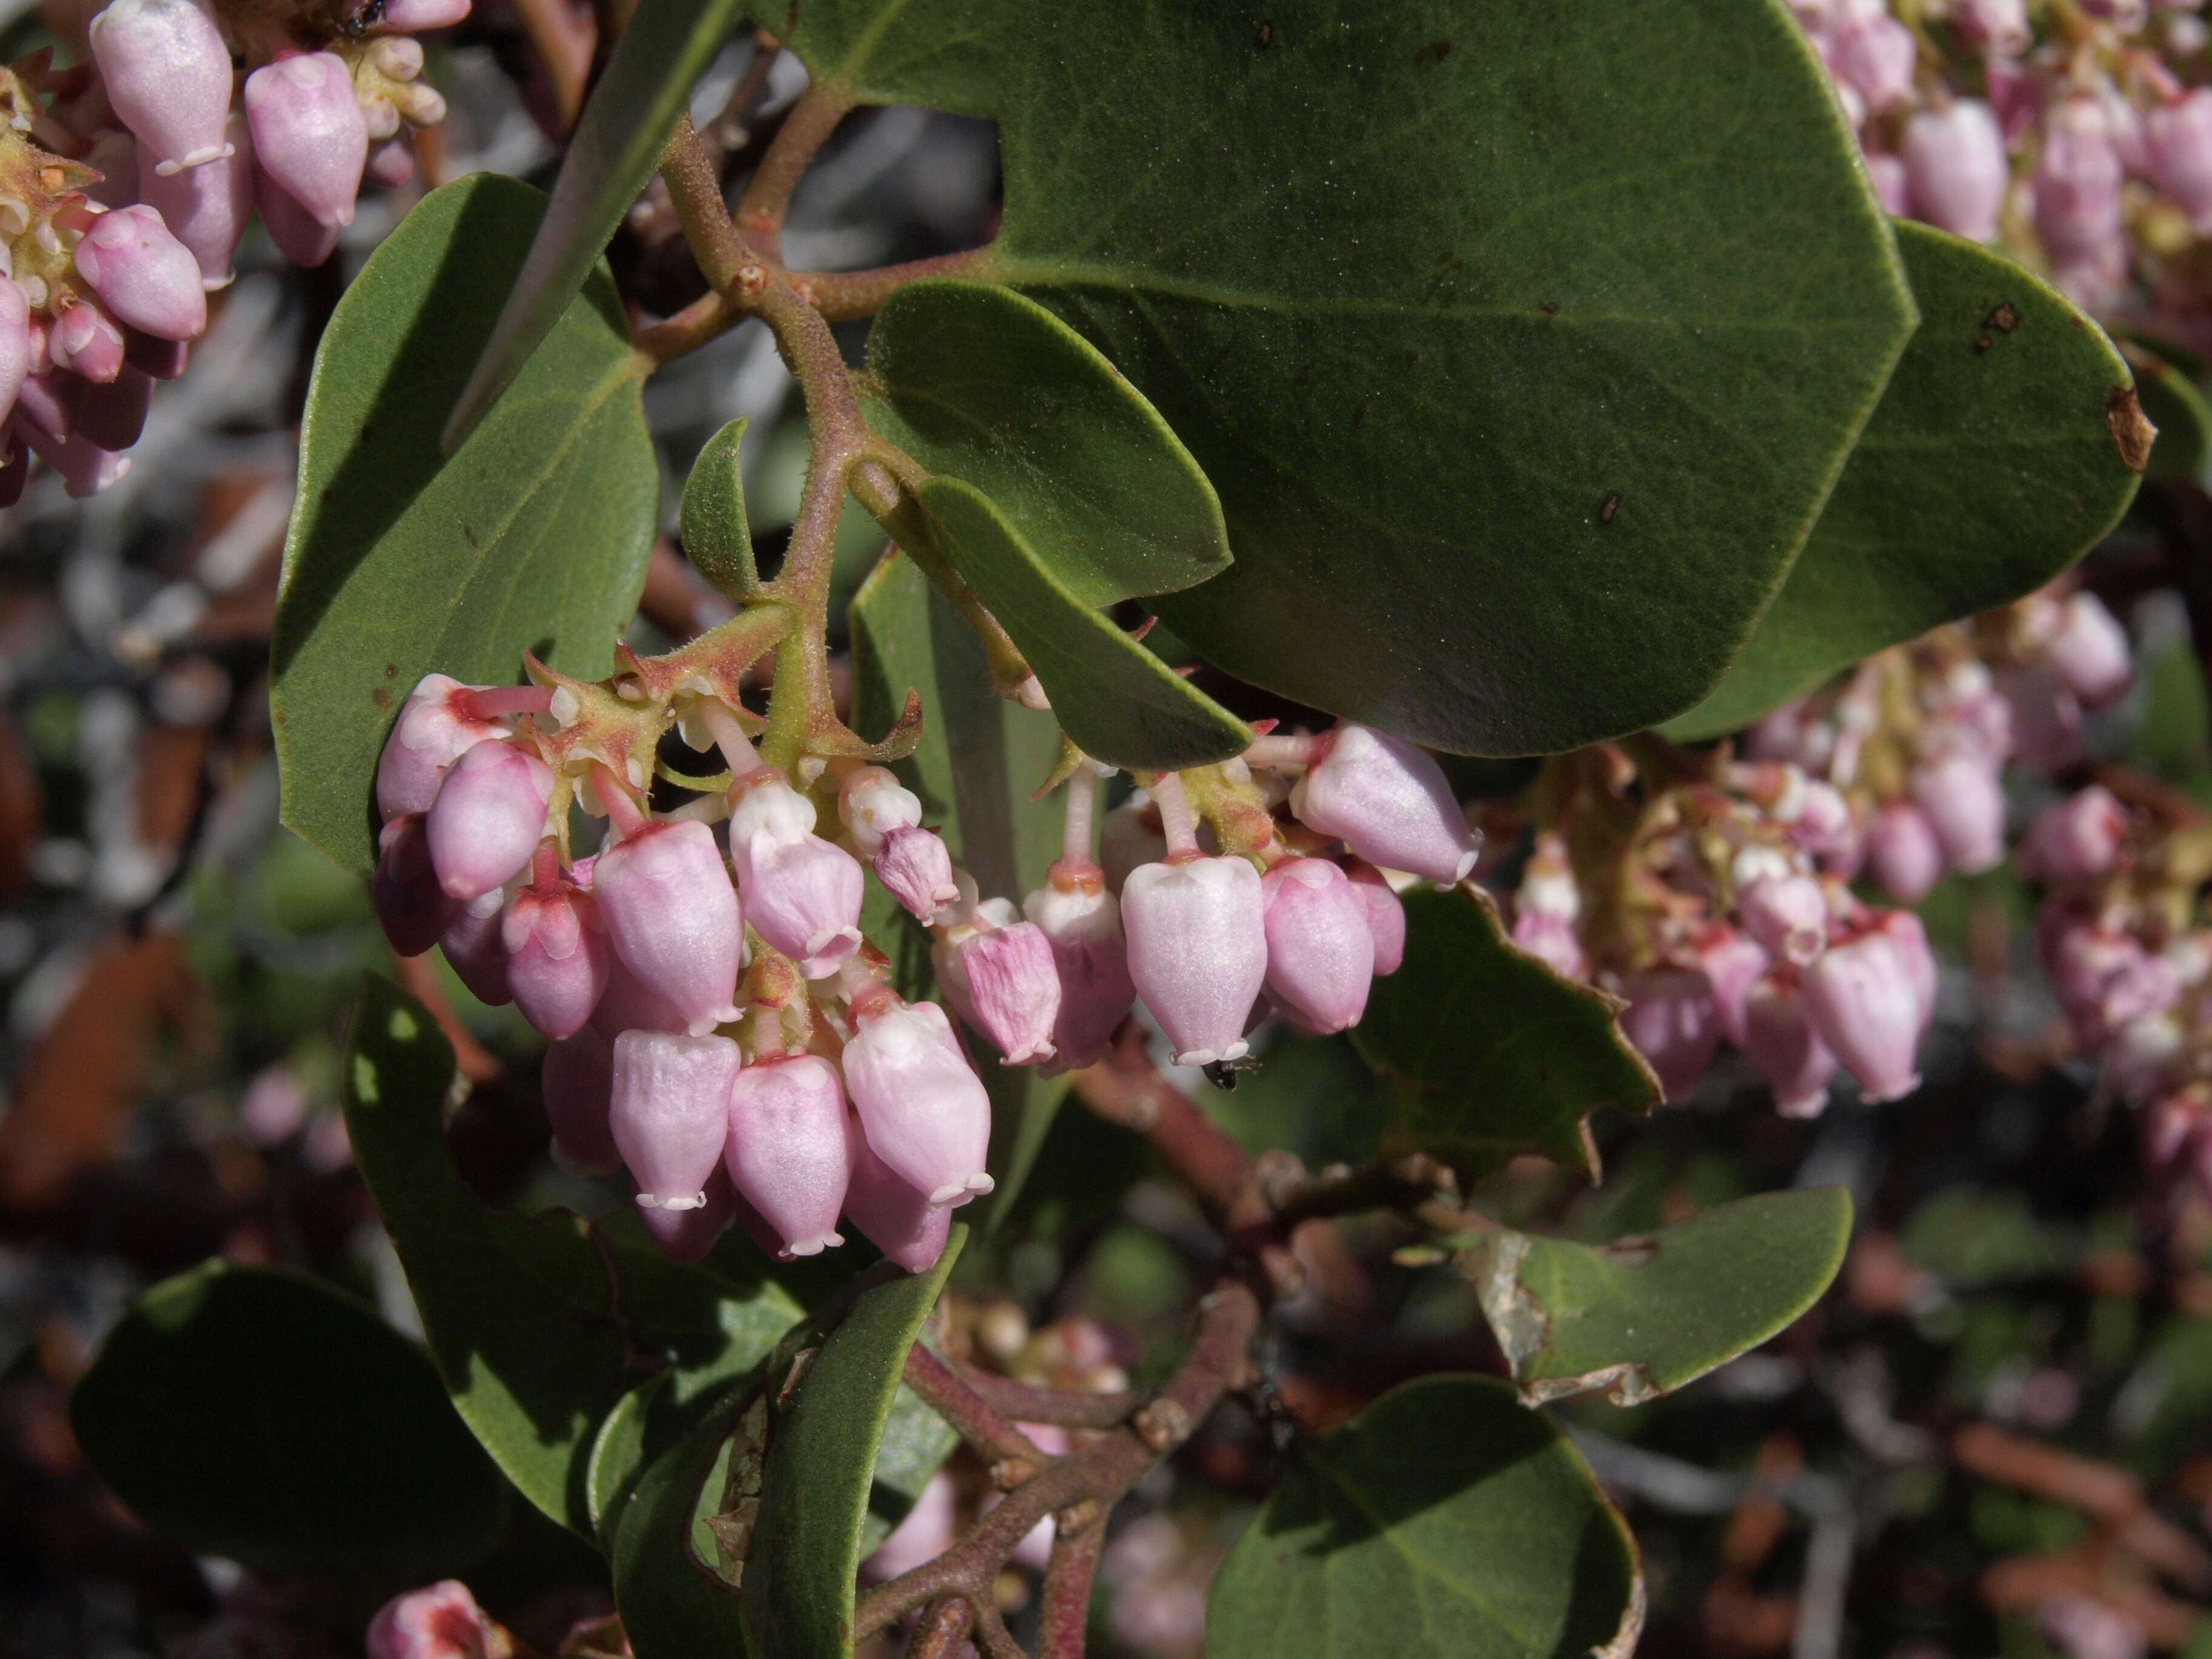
(263,1416)
(674,1604)
(2004,446)
(1493,1054)
(533,537)
(822,1448)
(1641,1316)
(1444,1522)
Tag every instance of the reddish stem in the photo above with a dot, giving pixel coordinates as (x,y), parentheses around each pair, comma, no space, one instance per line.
(615,796)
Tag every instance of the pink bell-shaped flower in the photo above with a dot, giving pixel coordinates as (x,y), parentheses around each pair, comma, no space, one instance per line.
(2089,651)
(439,1621)
(629,1004)
(1321,954)
(1875,54)
(1197,952)
(1862,1002)
(1955,171)
(669,1111)
(473,945)
(558,959)
(802,894)
(420,16)
(168,73)
(577,1081)
(1672,1020)
(1828,831)
(86,341)
(1786,916)
(489,818)
(206,207)
(1998,26)
(686,1236)
(434,730)
(413,909)
(2178,137)
(673,918)
(15,345)
(309,136)
(2077,194)
(2074,839)
(1903,851)
(84,467)
(143,274)
(789,1150)
(1732,964)
(1780,1041)
(894,1216)
(871,802)
(1082,922)
(924,1108)
(998,974)
(1906,934)
(916,870)
(1545,908)
(1964,798)
(299,235)
(391,163)
(1386,918)
(1389,802)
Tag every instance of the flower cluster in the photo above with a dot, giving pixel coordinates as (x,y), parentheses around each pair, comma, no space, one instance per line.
(126,184)
(713,1008)
(2082,149)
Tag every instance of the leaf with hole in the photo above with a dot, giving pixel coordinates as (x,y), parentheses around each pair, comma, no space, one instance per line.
(1640,1317)
(1444,1522)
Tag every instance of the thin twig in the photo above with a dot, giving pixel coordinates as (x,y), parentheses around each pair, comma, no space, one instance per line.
(943,1628)
(419,979)
(766,196)
(1065,1611)
(1068,1408)
(948,1393)
(992,1634)
(844,296)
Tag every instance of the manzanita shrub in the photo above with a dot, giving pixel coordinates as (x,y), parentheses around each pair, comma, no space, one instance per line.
(1344,387)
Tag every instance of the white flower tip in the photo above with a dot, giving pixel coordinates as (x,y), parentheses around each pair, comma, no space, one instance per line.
(671,1201)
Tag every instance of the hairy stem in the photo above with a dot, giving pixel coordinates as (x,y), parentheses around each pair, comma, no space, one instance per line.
(767,197)
(942,1629)
(844,296)
(1065,1609)
(948,1393)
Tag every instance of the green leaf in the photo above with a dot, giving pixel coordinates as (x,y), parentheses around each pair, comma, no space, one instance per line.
(2000,452)
(612,155)
(1639,1317)
(1490,369)
(1493,1054)
(822,1449)
(717,538)
(1444,1522)
(653,1468)
(521,1315)
(263,1416)
(981,385)
(533,537)
(1117,701)
(915,1443)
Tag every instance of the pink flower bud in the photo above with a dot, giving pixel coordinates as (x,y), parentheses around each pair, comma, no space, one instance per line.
(1321,954)
(1551,941)
(434,730)
(999,977)
(439,1621)
(86,341)
(308,133)
(2075,839)
(167,74)
(1389,802)
(413,909)
(1672,1020)
(802,894)
(2090,652)
(2077,186)
(489,818)
(473,946)
(2178,139)
(670,1112)
(1902,848)
(1787,915)
(206,208)
(85,469)
(558,960)
(789,1149)
(2046,719)
(578,1084)
(686,1236)
(1904,932)
(420,16)
(1779,1039)
(1082,922)
(894,1216)
(871,802)
(392,163)
(924,1109)
(1386,918)
(2104,979)
(1732,964)
(1955,170)
(1996,26)
(1828,831)
(144,274)
(1862,1004)
(15,344)
(915,869)
(300,237)
(1961,794)
(1197,952)
(1874,54)
(673,918)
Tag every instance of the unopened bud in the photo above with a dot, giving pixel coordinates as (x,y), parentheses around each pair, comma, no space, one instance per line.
(801,894)
(144,274)
(1387,801)
(1003,981)
(1780,1041)
(1861,1000)
(439,1621)
(674,919)
(1320,952)
(670,1113)
(892,1215)
(434,730)
(1671,1020)
(925,1111)
(308,132)
(558,958)
(789,1150)
(1197,952)
(916,870)
(168,73)
(489,818)
(1964,798)
(1083,924)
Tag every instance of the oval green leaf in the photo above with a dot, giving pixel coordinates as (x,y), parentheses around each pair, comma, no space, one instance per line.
(1641,1316)
(1492,1054)
(822,1451)
(263,1416)
(1444,1522)
(611,157)
(980,384)
(1116,701)
(534,537)
(653,1467)
(717,538)
(2000,452)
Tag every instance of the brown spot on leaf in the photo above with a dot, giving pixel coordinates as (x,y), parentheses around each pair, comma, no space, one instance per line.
(1433,54)
(1550,307)
(468,536)
(1609,508)
(392,670)
(1266,38)
(2004,319)
(381,696)
(2132,432)
(1981,343)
